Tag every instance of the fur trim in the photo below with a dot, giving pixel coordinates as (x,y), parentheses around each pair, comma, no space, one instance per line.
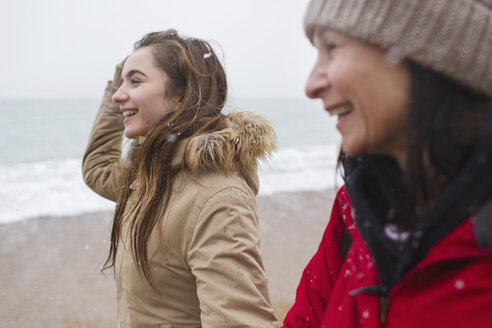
(248,138)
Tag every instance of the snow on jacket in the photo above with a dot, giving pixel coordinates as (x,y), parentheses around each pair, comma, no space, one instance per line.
(205,252)
(442,277)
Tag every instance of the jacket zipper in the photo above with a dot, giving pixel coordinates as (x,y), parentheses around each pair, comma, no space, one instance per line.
(383,299)
(383,309)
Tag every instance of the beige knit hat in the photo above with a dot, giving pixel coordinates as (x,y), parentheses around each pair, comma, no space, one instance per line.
(453,37)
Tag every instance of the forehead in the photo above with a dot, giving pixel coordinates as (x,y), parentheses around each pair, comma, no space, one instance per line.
(141,59)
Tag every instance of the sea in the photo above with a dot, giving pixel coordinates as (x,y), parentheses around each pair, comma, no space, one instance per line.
(42,143)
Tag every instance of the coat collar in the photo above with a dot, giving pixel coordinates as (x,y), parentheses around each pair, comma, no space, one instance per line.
(236,149)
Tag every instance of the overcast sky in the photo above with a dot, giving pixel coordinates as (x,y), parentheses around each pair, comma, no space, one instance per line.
(68,49)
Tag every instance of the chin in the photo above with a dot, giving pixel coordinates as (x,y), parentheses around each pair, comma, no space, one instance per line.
(130,135)
(350,151)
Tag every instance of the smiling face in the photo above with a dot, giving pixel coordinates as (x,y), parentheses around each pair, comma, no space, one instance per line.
(142,96)
(369,96)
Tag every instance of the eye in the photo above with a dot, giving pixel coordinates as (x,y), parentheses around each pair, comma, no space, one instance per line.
(330,46)
(135,81)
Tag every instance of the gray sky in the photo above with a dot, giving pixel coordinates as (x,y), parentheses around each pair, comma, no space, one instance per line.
(67,48)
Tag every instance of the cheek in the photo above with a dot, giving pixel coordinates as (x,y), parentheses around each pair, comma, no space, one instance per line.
(154,104)
(339,74)
(348,79)
(396,101)
(386,129)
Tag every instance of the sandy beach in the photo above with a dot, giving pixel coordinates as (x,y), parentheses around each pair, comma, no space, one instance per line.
(50,266)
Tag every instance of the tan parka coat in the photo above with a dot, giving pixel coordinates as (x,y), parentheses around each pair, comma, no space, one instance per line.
(204,254)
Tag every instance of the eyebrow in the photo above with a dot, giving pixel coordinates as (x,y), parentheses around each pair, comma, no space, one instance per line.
(135,71)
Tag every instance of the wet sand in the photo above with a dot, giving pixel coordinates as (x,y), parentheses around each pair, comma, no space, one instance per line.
(49,268)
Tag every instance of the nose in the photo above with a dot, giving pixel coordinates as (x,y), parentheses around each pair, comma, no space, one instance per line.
(317,83)
(120,96)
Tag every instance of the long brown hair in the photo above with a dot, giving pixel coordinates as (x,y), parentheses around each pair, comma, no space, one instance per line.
(196,76)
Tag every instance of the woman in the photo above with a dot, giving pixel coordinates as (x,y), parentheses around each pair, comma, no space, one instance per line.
(185,240)
(409,241)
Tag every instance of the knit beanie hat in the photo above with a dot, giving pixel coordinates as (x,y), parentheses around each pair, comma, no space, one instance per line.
(452,37)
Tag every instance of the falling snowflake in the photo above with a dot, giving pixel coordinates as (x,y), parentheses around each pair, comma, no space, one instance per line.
(459,284)
(171,137)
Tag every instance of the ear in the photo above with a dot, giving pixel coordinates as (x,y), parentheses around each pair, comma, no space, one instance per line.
(173,102)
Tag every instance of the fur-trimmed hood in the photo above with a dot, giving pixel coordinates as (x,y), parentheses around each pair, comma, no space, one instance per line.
(248,138)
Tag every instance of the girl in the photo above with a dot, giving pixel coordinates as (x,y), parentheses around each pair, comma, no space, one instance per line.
(409,241)
(185,240)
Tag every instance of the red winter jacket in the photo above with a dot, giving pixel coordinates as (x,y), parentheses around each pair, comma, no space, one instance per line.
(450,287)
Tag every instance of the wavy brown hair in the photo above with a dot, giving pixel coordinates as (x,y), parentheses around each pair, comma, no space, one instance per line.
(196,76)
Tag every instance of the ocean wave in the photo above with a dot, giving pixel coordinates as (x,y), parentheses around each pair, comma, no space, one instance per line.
(47,188)
(56,187)
(300,168)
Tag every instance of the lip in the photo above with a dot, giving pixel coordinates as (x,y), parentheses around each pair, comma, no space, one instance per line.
(129,118)
(342,120)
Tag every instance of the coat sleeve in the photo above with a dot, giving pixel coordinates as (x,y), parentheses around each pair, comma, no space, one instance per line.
(321,273)
(101,165)
(224,256)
